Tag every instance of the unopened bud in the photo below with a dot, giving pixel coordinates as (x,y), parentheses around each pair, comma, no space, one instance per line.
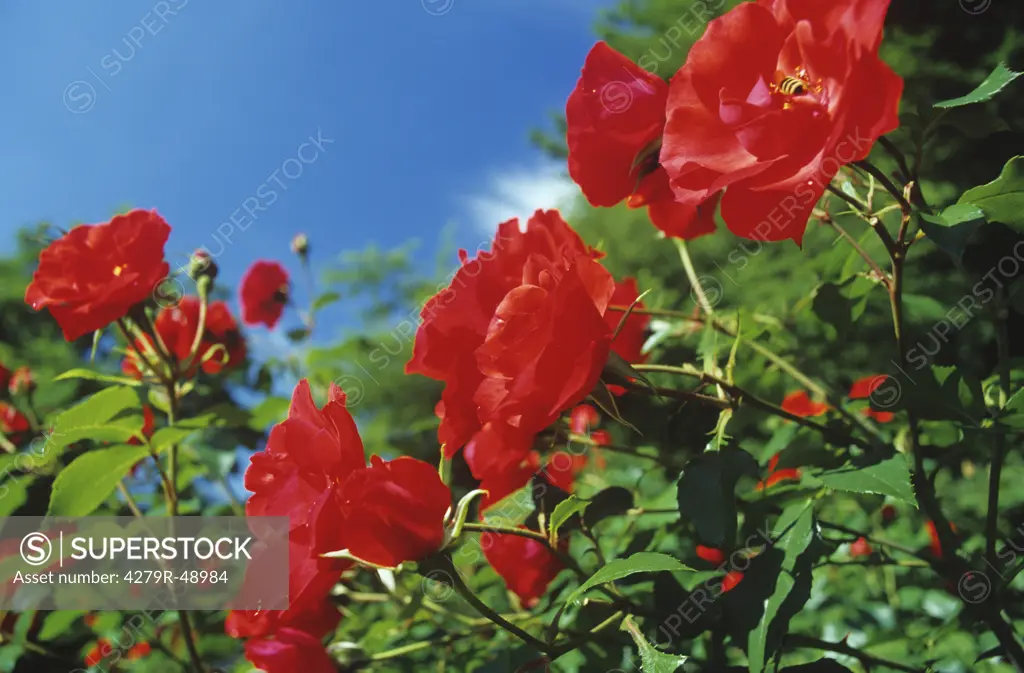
(300,245)
(21,381)
(201,265)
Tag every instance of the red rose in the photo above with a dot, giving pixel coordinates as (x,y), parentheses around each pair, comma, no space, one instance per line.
(775,475)
(527,566)
(314,471)
(935,543)
(518,337)
(560,471)
(583,418)
(799,403)
(148,425)
(290,651)
(12,422)
(94,274)
(614,121)
(731,579)
(861,547)
(630,340)
(98,652)
(772,100)
(5,376)
(21,381)
(310,581)
(715,557)
(264,293)
(177,327)
(863,388)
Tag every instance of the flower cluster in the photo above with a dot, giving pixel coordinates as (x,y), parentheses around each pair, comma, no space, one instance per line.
(772,100)
(313,471)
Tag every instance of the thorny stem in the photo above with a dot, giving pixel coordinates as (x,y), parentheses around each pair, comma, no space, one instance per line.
(859,250)
(873,540)
(740,396)
(801,641)
(780,362)
(952,567)
(885,182)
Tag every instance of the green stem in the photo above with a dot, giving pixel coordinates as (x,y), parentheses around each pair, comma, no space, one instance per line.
(571,645)
(183,618)
(691,274)
(996,471)
(483,609)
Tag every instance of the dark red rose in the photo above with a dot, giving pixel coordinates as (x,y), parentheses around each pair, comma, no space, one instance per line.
(773,99)
(888,514)
(264,293)
(177,325)
(862,390)
(799,403)
(94,274)
(614,121)
(527,566)
(861,547)
(715,557)
(290,651)
(518,337)
(5,376)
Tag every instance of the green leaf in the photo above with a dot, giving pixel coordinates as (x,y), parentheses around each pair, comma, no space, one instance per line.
(641,562)
(165,437)
(1002,200)
(997,80)
(88,480)
(832,307)
(612,501)
(224,415)
(563,512)
(819,666)
(89,375)
(1013,414)
(94,419)
(889,477)
(326,299)
(793,533)
(13,494)
(297,335)
(706,492)
(652,660)
(269,412)
(58,623)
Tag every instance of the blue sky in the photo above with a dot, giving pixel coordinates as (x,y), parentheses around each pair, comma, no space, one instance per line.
(199,109)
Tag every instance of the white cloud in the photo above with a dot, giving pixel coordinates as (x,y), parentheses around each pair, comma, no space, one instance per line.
(518,191)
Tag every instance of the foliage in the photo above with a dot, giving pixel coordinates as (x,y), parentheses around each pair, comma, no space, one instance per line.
(715,526)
